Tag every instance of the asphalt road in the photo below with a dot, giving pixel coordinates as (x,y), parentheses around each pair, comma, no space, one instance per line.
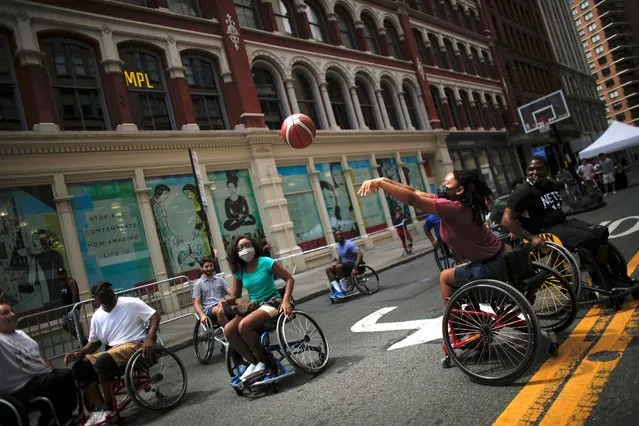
(366,383)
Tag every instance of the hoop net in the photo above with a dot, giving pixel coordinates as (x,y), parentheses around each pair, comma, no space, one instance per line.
(543,126)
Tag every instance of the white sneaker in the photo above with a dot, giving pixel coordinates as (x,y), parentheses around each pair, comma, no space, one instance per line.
(259,368)
(249,370)
(104,417)
(94,418)
(343,283)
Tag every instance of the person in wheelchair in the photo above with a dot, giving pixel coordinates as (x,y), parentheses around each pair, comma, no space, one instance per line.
(349,257)
(208,292)
(256,273)
(124,325)
(462,204)
(27,374)
(536,207)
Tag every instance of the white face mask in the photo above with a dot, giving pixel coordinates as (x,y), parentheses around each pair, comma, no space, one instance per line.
(247,254)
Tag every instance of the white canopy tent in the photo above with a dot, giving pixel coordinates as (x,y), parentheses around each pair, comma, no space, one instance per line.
(618,136)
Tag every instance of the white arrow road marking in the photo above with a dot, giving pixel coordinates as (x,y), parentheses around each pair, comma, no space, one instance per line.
(427,329)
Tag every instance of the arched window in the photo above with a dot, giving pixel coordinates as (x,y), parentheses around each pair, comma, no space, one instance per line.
(421,48)
(315,17)
(305,96)
(366,104)
(439,108)
(148,96)
(463,58)
(412,106)
(338,102)
(452,104)
(450,51)
(448,11)
(10,112)
(184,7)
(269,96)
(75,81)
(247,14)
(469,112)
(436,49)
(370,35)
(390,101)
(478,67)
(393,40)
(469,20)
(482,117)
(285,17)
(202,77)
(346,29)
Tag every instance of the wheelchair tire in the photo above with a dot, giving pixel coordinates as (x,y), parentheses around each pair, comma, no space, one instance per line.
(233,360)
(367,281)
(501,313)
(443,257)
(144,376)
(560,259)
(555,302)
(291,343)
(203,341)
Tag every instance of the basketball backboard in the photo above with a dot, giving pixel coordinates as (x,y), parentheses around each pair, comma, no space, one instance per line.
(541,113)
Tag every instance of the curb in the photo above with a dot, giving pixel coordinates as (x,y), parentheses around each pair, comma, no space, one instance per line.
(317,293)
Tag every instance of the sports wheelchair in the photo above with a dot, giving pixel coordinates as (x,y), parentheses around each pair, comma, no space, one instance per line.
(157,382)
(15,413)
(366,281)
(204,337)
(491,329)
(444,257)
(300,341)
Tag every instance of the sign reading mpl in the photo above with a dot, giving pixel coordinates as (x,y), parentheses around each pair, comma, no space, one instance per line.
(138,79)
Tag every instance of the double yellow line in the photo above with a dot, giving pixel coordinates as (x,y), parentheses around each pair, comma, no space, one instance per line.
(566,388)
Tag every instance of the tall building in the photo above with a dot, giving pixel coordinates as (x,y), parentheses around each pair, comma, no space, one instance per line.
(101,101)
(609,32)
(577,82)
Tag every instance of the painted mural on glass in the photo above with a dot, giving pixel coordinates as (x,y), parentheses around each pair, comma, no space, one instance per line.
(111,233)
(389,170)
(338,203)
(180,223)
(235,205)
(371,206)
(31,248)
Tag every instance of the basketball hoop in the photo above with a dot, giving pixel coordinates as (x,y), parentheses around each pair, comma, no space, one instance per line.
(544,127)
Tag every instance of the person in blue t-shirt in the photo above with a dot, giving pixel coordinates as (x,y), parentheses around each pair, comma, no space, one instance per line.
(347,263)
(431,223)
(256,273)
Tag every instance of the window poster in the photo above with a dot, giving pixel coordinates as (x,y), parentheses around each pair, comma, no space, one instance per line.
(111,233)
(180,222)
(31,248)
(338,203)
(388,169)
(371,205)
(302,207)
(432,184)
(235,205)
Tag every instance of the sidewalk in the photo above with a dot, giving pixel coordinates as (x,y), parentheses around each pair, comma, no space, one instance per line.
(308,285)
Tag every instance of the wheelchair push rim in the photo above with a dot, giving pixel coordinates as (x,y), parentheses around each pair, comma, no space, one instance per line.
(443,257)
(157,383)
(561,260)
(490,332)
(303,342)
(367,281)
(554,302)
(203,340)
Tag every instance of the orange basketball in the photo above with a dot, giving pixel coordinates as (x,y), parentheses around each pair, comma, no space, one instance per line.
(298,131)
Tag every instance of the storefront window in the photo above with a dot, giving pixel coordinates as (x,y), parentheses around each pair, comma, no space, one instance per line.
(180,223)
(148,96)
(389,170)
(31,248)
(454,155)
(111,233)
(302,207)
(412,173)
(338,203)
(484,167)
(235,205)
(500,174)
(371,205)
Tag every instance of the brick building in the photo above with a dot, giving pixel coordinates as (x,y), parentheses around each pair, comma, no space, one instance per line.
(102,99)
(609,32)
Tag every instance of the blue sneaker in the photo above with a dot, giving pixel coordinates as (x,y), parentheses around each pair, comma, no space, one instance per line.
(333,294)
(340,295)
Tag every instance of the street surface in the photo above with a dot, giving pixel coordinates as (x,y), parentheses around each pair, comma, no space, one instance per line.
(388,377)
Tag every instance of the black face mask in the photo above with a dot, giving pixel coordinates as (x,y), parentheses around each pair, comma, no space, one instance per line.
(444,192)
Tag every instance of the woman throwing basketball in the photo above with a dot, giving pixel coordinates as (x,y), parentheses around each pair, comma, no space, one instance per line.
(462,204)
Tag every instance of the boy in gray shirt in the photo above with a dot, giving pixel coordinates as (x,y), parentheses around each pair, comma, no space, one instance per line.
(209,290)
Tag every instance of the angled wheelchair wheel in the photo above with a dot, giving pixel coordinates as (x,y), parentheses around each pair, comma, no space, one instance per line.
(203,340)
(554,301)
(302,341)
(561,260)
(157,382)
(490,332)
(444,257)
(235,365)
(367,281)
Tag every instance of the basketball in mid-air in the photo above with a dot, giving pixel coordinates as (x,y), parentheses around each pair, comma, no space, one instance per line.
(298,131)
